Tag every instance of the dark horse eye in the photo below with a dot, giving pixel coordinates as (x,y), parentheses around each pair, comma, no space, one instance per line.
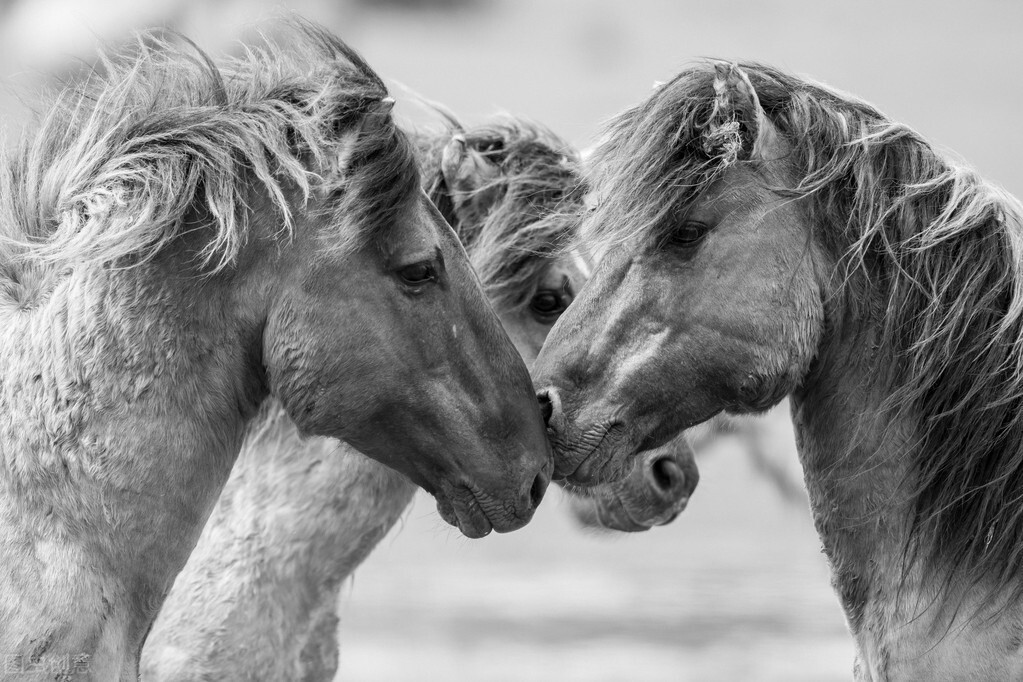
(689,233)
(548,304)
(417,273)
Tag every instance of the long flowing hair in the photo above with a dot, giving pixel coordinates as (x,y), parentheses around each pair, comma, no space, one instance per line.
(927,250)
(533,202)
(118,160)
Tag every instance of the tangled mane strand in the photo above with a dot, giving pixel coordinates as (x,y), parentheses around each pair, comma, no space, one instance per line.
(926,249)
(937,252)
(121,157)
(537,194)
(652,163)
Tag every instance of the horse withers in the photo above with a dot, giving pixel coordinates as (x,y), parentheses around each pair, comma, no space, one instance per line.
(769,236)
(181,240)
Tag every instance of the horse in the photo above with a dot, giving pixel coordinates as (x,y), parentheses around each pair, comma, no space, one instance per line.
(259,596)
(773,236)
(180,240)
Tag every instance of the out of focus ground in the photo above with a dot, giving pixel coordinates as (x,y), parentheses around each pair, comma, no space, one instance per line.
(735,589)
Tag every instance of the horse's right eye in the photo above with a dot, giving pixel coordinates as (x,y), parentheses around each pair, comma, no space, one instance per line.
(689,233)
(417,274)
(548,304)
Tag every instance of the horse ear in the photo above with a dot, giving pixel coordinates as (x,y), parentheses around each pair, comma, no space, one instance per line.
(376,116)
(379,110)
(738,128)
(471,179)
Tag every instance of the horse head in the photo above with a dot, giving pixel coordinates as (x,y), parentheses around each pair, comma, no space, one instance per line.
(708,298)
(374,328)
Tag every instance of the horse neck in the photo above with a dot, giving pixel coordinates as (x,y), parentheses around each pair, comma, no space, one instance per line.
(856,463)
(295,519)
(124,412)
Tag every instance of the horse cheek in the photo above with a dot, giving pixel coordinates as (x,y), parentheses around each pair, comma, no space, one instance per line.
(789,361)
(288,373)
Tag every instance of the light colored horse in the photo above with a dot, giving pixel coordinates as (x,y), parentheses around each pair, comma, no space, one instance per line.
(180,240)
(775,237)
(257,598)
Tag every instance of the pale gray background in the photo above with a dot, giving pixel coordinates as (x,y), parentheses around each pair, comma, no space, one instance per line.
(736,589)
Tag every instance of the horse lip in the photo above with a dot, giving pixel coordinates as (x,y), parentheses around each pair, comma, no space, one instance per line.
(462,510)
(618,518)
(584,472)
(670,514)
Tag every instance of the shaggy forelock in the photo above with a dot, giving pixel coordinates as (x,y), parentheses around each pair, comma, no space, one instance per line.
(539,191)
(651,164)
(121,157)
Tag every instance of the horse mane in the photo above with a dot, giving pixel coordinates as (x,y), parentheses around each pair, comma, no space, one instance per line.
(539,189)
(934,249)
(115,165)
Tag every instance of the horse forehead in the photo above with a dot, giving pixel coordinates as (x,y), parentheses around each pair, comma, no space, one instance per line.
(420,228)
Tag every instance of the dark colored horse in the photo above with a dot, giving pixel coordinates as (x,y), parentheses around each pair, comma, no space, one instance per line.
(181,240)
(768,236)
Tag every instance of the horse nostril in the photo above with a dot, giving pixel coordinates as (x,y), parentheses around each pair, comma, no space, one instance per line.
(667,475)
(537,490)
(546,406)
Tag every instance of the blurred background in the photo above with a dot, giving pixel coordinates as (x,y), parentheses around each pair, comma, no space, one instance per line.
(736,588)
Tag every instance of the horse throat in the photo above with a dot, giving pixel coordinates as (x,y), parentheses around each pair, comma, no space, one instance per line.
(856,460)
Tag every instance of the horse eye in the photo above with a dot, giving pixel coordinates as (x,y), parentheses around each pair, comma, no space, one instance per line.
(690,233)
(417,274)
(547,304)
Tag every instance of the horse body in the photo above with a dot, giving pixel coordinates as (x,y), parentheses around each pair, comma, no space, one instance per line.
(101,511)
(774,237)
(179,242)
(258,597)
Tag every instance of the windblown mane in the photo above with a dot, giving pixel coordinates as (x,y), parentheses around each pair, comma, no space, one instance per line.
(121,158)
(538,190)
(934,250)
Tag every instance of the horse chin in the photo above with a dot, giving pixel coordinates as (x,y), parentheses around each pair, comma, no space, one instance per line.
(616,517)
(462,510)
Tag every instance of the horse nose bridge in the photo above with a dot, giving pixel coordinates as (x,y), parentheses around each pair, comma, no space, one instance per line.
(486,363)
